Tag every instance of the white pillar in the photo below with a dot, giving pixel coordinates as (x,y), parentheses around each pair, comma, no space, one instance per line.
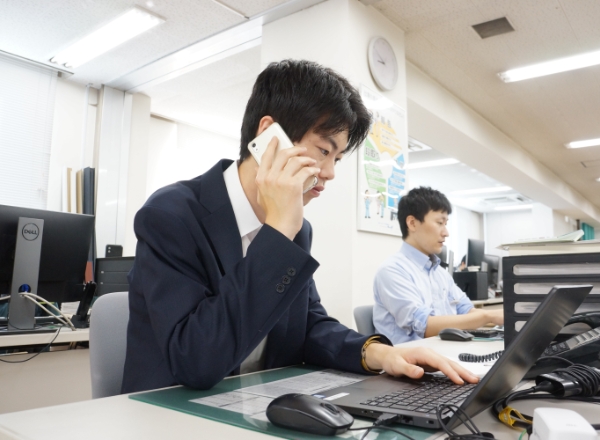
(336,34)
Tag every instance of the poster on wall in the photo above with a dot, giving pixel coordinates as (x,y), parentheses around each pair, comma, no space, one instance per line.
(381,165)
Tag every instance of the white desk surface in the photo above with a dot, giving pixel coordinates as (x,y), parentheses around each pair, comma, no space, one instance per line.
(119,417)
(65,335)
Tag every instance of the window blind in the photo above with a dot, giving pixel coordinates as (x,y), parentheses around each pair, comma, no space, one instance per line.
(27,95)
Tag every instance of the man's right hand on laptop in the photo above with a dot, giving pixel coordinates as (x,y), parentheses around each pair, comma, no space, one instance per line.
(414,361)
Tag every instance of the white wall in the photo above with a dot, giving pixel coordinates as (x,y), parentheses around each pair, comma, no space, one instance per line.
(440,119)
(507,227)
(336,33)
(72,140)
(178,151)
(563,224)
(462,225)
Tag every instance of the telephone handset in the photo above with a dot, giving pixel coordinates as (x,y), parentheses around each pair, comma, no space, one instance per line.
(583,348)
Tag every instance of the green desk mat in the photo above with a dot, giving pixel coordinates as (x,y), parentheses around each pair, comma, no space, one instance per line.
(178,399)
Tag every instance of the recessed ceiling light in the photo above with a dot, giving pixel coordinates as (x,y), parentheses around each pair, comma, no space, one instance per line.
(550,67)
(123,28)
(512,208)
(431,163)
(598,179)
(493,189)
(582,144)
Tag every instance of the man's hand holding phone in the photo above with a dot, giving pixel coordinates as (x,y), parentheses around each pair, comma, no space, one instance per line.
(280,180)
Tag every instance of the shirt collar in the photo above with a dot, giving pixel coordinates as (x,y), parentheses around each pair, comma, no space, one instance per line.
(422,260)
(245,217)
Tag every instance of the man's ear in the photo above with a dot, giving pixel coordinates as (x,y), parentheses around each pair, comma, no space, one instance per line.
(411,223)
(264,123)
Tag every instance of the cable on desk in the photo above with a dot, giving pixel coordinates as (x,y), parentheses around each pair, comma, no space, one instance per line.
(382,420)
(44,348)
(61,316)
(475,434)
(468,357)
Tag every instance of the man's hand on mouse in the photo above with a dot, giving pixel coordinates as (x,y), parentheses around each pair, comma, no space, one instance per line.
(413,362)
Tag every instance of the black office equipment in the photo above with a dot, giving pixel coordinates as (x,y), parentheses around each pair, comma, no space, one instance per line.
(475,252)
(411,399)
(113,250)
(80,319)
(455,334)
(527,279)
(111,274)
(55,272)
(306,413)
(474,284)
(493,267)
(446,257)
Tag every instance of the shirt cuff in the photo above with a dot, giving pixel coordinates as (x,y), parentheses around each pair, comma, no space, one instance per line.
(464,305)
(420,318)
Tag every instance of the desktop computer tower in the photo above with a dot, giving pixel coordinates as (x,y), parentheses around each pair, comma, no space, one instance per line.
(474,284)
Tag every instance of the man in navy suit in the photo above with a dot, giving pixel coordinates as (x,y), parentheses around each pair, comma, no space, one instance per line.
(223,277)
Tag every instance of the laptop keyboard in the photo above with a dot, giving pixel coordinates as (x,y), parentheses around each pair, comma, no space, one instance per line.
(424,398)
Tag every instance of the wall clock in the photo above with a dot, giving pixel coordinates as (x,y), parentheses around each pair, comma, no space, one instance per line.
(382,63)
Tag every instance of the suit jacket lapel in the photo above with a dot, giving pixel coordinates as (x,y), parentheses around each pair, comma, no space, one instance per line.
(220,223)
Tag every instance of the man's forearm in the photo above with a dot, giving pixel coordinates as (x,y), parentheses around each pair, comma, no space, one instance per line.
(473,319)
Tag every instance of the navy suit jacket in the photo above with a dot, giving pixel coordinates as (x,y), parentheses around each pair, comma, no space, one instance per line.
(198,308)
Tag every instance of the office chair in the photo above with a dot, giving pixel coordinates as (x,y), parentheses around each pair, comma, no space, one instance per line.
(108,341)
(363,315)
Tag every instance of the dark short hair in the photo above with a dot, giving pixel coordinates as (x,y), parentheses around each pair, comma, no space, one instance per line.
(303,95)
(418,202)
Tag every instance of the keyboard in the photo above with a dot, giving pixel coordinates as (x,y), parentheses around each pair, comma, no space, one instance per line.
(425,398)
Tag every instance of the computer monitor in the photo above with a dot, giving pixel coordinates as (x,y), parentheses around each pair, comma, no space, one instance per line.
(493,267)
(447,259)
(475,251)
(56,269)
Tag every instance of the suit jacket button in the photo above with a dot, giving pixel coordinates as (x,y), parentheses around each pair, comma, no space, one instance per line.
(280,288)
(286,279)
(291,271)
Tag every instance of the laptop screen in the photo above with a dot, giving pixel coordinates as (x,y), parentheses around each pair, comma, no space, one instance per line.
(539,331)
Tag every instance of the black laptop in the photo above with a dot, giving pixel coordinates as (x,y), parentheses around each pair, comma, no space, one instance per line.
(416,401)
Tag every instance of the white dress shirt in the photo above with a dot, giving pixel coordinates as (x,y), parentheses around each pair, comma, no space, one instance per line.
(248,225)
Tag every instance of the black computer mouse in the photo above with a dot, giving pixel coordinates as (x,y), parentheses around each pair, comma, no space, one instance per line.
(455,334)
(306,413)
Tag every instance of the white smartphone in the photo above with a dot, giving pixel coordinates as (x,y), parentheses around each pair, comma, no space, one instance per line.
(259,144)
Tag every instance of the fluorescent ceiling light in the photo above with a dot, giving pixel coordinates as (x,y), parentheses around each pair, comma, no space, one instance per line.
(431,163)
(581,144)
(550,67)
(493,189)
(512,208)
(123,28)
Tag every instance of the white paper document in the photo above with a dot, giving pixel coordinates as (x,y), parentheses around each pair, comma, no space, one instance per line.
(253,401)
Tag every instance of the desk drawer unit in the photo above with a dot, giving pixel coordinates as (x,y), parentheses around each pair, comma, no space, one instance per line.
(527,279)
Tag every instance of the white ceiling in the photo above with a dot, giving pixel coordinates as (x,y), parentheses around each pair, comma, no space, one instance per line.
(539,114)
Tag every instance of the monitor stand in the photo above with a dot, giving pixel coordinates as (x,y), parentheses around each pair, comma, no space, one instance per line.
(26,270)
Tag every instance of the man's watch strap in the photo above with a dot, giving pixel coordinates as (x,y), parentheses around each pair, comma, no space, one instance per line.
(375,339)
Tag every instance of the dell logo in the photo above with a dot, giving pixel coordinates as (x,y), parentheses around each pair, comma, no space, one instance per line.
(30,231)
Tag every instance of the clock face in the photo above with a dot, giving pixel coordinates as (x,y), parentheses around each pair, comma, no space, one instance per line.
(383,63)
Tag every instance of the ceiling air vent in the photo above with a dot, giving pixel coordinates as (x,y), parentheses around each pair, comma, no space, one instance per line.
(492,28)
